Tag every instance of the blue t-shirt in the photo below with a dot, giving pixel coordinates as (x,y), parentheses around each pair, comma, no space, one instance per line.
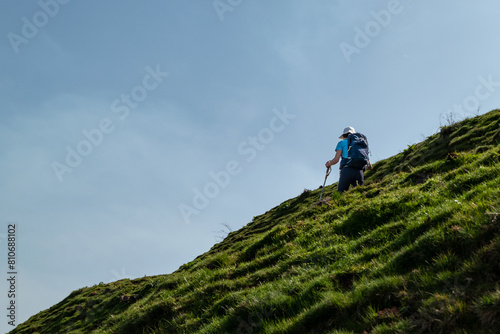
(342,145)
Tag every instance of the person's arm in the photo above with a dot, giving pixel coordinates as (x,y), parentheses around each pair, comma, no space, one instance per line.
(369,165)
(338,155)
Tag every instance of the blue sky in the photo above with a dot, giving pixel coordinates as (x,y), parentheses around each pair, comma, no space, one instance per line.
(239,101)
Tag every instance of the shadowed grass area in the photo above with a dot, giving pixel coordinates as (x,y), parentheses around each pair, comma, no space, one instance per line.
(415,250)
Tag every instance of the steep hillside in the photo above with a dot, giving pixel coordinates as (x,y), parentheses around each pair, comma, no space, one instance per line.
(415,250)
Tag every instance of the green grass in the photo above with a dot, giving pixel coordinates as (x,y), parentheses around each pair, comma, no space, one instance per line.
(415,250)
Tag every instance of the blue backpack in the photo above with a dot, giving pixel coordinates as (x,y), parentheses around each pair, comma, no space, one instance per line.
(357,154)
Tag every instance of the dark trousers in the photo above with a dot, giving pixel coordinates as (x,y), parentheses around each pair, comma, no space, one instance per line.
(350,176)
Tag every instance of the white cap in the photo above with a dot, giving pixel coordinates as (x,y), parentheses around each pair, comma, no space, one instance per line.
(348,130)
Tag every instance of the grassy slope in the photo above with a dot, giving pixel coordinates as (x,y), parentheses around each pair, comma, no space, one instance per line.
(417,249)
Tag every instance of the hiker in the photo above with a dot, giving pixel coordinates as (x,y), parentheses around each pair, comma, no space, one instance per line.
(353,165)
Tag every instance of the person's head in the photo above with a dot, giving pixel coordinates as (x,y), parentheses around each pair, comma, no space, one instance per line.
(347,131)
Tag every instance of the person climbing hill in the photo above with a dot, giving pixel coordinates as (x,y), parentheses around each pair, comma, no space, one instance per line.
(352,152)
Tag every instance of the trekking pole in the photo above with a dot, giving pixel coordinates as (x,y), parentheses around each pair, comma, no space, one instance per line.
(328,171)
